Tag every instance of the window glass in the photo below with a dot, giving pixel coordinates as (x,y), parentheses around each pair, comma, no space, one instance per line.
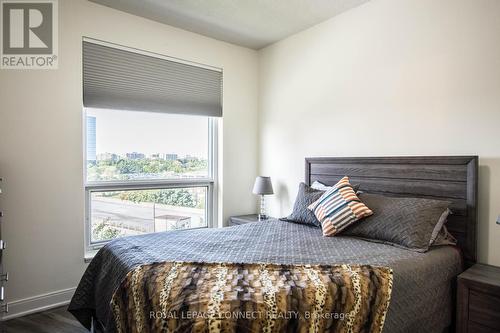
(135,212)
(131,145)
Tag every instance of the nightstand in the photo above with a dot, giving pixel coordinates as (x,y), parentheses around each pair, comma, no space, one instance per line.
(242,219)
(478,300)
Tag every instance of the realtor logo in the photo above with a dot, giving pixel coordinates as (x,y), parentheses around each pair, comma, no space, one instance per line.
(29,34)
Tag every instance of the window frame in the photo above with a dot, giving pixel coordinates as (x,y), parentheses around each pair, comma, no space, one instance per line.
(210,182)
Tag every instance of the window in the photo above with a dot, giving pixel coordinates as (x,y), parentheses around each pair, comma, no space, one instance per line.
(131,145)
(147,172)
(135,212)
(150,142)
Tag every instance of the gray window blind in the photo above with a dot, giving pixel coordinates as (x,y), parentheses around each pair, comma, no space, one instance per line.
(114,78)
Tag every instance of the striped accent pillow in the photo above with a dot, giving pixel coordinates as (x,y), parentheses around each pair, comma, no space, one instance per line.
(338,208)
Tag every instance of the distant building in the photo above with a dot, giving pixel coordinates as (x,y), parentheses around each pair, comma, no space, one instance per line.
(190,158)
(155,156)
(91,139)
(107,157)
(171,157)
(135,156)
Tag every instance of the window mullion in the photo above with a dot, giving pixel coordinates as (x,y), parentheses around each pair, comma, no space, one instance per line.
(147,185)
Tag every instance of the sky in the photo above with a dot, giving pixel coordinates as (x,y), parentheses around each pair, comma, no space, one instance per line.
(122,132)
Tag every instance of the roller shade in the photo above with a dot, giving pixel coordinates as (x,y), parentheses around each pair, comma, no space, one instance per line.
(116,78)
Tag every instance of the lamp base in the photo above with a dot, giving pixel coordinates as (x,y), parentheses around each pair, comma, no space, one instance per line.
(262,214)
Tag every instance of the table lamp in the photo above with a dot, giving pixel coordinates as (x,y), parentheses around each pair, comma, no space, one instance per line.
(263,187)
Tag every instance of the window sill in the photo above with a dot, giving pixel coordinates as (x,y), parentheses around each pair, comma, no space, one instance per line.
(89,256)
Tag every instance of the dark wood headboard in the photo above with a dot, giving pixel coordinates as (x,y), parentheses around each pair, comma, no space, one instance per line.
(452,178)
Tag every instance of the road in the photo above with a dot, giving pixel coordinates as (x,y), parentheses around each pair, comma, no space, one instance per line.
(139,216)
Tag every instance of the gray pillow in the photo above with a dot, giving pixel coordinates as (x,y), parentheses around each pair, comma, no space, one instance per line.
(300,213)
(403,222)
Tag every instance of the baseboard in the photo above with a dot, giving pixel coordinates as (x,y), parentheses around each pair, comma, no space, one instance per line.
(39,303)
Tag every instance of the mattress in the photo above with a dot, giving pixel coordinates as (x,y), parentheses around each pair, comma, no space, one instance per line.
(421,296)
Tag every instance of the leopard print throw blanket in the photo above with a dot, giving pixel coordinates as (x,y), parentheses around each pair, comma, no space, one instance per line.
(228,297)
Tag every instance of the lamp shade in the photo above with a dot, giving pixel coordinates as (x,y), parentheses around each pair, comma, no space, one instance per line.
(263,186)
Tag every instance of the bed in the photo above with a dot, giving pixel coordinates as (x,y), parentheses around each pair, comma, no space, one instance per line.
(422,292)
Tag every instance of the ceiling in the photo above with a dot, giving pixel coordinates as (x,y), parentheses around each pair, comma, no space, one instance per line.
(250,23)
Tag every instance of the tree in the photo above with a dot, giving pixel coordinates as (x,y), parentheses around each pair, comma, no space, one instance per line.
(124,169)
(174,197)
(102,231)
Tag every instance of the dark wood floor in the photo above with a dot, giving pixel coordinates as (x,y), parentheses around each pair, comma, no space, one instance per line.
(57,320)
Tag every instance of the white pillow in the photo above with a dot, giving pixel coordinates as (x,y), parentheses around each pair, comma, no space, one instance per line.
(320,186)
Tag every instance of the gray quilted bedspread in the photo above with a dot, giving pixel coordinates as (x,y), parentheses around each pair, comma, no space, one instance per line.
(421,297)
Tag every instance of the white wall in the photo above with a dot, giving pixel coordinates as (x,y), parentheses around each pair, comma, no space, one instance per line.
(391,77)
(41,143)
